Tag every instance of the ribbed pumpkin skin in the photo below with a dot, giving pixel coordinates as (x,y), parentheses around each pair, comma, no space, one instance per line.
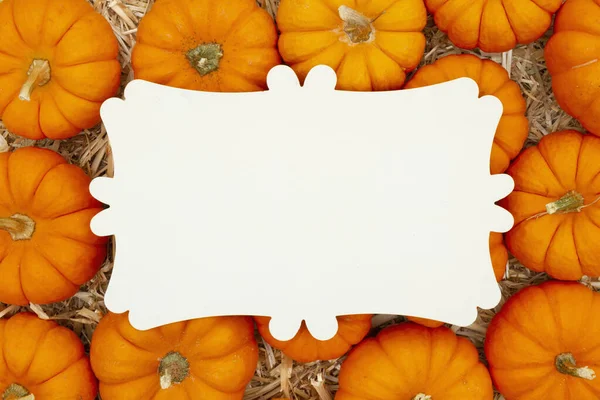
(62,253)
(573,59)
(305,348)
(48,360)
(499,255)
(429,323)
(81,49)
(312,33)
(245,32)
(493,80)
(406,360)
(565,245)
(532,329)
(493,25)
(222,355)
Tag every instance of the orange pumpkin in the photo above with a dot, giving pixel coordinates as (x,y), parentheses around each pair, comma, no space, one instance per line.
(370,44)
(556,206)
(493,25)
(211,358)
(47,249)
(493,80)
(572,56)
(412,362)
(43,361)
(499,255)
(216,46)
(545,343)
(58,63)
(305,348)
(429,323)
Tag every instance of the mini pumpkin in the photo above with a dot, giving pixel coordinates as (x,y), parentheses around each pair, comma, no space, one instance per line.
(545,343)
(47,250)
(305,348)
(370,44)
(409,361)
(40,360)
(58,63)
(556,206)
(429,323)
(573,59)
(493,80)
(216,46)
(210,358)
(493,25)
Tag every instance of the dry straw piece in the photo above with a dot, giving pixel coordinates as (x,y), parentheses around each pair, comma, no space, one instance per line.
(277,376)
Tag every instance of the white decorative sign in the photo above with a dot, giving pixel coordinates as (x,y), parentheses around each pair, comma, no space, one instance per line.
(302,203)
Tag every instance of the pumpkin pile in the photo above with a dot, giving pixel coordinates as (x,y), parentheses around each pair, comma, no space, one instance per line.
(59,61)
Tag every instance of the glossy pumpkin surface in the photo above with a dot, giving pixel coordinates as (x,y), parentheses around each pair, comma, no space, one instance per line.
(305,348)
(493,80)
(210,358)
(573,59)
(47,249)
(58,63)
(412,362)
(556,206)
(216,46)
(545,343)
(371,44)
(493,25)
(40,360)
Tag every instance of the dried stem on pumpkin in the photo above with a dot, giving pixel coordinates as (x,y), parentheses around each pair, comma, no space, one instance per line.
(570,202)
(566,364)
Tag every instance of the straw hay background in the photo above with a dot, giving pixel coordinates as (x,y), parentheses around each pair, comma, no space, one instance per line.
(277,376)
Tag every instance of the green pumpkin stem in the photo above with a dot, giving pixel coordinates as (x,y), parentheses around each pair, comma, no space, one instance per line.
(570,202)
(38,75)
(205,58)
(357,27)
(173,369)
(565,364)
(17,392)
(19,227)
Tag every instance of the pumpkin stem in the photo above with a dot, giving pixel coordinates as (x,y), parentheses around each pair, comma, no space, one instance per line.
(205,58)
(19,227)
(570,202)
(173,369)
(357,27)
(566,364)
(422,396)
(38,75)
(17,392)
